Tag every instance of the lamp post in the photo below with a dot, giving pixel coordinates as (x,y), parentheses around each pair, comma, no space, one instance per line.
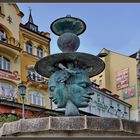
(22,92)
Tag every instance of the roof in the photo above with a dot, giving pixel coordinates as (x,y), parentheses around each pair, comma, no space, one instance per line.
(38,33)
(20,13)
(134,55)
(106,50)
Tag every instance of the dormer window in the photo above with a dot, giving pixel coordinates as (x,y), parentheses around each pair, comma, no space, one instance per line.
(3,36)
(30,24)
(29,47)
(39,52)
(33,27)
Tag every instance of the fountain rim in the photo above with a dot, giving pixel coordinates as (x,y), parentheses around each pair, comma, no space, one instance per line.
(49,61)
(74,18)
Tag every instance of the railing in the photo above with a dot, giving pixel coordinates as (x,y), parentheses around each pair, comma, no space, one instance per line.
(10,41)
(37,78)
(8,97)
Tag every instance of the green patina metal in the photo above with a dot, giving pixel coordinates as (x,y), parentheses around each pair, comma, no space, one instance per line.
(87,62)
(68,72)
(68,24)
(70,90)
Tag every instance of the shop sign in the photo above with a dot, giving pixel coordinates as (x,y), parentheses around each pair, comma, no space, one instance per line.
(13,76)
(129,92)
(122,79)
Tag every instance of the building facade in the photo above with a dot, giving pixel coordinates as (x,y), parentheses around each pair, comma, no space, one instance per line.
(120,77)
(106,105)
(21,46)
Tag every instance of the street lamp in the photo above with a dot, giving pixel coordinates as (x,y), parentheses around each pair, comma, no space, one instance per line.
(22,93)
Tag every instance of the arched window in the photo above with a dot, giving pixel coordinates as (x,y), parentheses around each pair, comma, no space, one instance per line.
(7,91)
(36,98)
(29,47)
(39,52)
(4,63)
(3,35)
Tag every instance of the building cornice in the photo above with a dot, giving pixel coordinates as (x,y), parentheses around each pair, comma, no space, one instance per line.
(35,33)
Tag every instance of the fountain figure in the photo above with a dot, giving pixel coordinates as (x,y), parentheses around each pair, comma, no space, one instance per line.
(69,72)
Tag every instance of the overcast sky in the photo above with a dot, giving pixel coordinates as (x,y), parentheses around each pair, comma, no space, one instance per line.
(115,27)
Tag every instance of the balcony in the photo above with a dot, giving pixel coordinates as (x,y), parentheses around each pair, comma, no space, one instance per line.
(9,49)
(35,79)
(8,98)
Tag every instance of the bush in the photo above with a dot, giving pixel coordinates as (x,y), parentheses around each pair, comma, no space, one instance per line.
(8,117)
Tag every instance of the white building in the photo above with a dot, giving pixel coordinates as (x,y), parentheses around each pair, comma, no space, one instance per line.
(104,104)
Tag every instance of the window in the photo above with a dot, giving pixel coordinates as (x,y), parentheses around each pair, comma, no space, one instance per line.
(40,52)
(110,102)
(119,113)
(29,47)
(31,73)
(33,27)
(98,98)
(3,35)
(102,99)
(125,112)
(7,91)
(4,63)
(118,106)
(36,98)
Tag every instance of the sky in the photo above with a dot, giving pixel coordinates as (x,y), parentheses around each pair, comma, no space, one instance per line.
(114,26)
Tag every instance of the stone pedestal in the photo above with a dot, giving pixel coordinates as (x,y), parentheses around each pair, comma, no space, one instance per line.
(79,126)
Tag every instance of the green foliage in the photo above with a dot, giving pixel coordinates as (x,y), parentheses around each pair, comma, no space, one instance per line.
(8,117)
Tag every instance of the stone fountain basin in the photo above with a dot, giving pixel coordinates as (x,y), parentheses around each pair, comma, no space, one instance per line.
(79,126)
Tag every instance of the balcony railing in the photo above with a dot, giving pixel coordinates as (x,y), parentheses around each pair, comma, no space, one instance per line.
(37,78)
(10,40)
(15,45)
(8,97)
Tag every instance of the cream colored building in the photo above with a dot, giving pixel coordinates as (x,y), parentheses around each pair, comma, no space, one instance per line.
(21,46)
(120,77)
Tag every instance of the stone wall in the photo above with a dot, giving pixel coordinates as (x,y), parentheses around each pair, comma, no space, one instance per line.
(70,126)
(1,124)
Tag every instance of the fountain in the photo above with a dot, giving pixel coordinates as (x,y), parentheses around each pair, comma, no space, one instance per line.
(70,88)
(69,72)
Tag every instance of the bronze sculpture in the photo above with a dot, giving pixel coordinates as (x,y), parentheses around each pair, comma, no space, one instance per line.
(69,72)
